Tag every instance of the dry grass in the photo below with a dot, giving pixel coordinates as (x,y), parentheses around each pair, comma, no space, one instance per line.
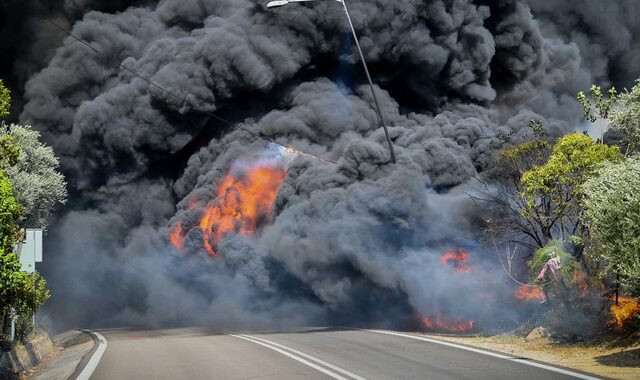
(617,359)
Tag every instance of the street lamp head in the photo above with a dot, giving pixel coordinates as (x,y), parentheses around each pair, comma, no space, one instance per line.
(281,3)
(277,3)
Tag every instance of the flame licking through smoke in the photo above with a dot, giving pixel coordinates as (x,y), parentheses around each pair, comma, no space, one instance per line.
(626,309)
(458,259)
(177,237)
(244,200)
(525,292)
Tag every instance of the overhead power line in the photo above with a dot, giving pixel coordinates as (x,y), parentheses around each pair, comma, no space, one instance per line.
(185,100)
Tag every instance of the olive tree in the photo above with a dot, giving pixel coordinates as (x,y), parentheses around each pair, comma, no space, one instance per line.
(38,185)
(625,117)
(612,212)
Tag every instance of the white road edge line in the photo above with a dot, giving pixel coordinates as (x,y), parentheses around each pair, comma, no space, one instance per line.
(290,355)
(489,353)
(333,367)
(91,366)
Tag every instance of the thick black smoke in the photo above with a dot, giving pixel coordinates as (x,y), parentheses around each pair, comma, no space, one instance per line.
(356,242)
(29,41)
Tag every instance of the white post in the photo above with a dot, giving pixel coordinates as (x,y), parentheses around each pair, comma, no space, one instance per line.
(13,325)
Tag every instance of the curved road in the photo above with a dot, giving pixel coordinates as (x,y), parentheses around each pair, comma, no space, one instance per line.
(314,353)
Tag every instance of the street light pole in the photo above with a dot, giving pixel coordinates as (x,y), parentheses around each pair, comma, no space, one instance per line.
(279,3)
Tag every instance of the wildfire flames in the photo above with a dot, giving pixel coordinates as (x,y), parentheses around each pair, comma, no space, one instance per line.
(437,322)
(177,237)
(525,292)
(626,309)
(244,200)
(458,259)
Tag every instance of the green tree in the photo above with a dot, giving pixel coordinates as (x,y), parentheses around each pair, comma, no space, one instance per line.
(500,189)
(597,109)
(5,100)
(10,212)
(21,292)
(502,195)
(626,117)
(9,151)
(37,184)
(612,212)
(553,190)
(599,106)
(11,279)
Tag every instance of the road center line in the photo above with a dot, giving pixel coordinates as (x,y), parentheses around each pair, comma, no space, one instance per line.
(272,346)
(489,353)
(333,367)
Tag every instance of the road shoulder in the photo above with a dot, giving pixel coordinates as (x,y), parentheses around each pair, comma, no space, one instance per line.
(601,360)
(70,348)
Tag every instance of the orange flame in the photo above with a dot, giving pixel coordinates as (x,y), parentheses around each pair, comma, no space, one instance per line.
(177,237)
(458,259)
(626,309)
(437,322)
(243,201)
(525,292)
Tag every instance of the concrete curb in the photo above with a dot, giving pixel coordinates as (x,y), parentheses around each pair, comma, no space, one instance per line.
(90,361)
(24,357)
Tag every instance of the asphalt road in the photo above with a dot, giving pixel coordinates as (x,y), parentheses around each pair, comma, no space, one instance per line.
(320,353)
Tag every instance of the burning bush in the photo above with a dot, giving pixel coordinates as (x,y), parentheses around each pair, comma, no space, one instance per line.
(569,283)
(526,292)
(573,304)
(624,311)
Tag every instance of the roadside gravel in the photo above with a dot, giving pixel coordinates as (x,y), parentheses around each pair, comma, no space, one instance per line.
(602,359)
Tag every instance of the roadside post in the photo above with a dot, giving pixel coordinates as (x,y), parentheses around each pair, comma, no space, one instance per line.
(30,252)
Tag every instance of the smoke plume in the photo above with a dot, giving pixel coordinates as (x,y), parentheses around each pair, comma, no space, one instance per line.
(357,242)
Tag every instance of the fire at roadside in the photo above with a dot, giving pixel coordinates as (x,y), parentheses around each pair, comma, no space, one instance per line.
(243,203)
(623,310)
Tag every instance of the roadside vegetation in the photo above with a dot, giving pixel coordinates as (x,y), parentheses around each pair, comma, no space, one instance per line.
(572,204)
(30,188)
